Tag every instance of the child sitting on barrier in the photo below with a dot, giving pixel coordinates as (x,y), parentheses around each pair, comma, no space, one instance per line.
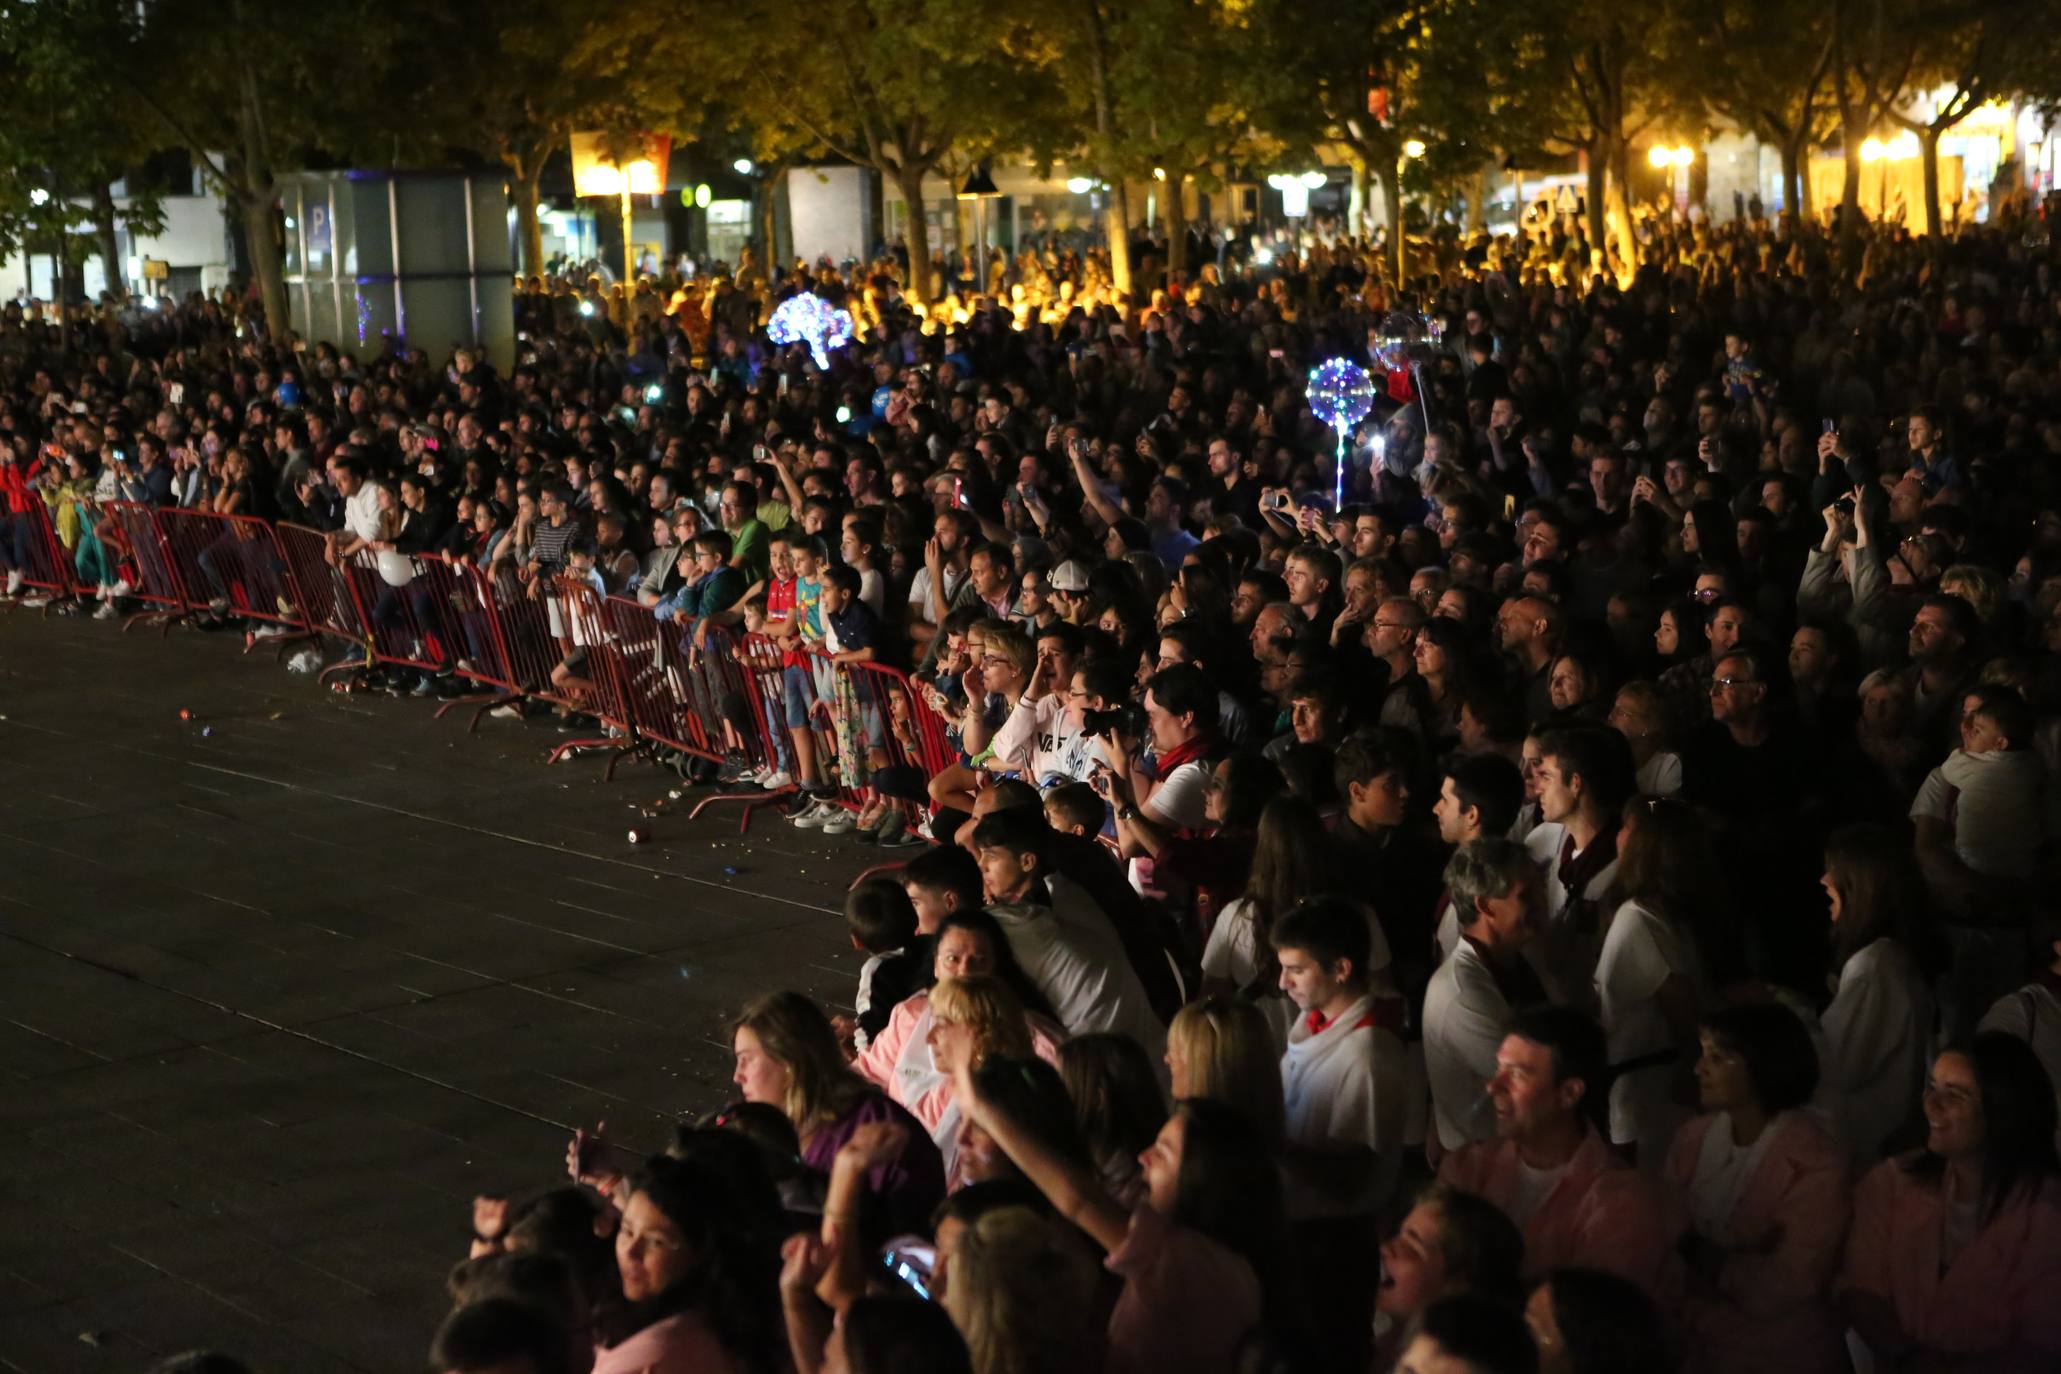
(851,636)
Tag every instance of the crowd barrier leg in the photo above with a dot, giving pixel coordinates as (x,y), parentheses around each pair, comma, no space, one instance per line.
(157,581)
(753,663)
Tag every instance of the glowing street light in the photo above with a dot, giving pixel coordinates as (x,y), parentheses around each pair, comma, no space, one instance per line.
(743,166)
(1413,148)
(39,197)
(1080,186)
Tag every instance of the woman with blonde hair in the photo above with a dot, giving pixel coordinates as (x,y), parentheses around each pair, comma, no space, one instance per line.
(1223,1048)
(1022,1289)
(788,1057)
(973,1020)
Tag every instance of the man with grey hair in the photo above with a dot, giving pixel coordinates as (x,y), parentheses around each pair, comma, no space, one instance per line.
(1495,892)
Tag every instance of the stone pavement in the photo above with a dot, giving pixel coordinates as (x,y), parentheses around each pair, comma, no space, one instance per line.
(284,985)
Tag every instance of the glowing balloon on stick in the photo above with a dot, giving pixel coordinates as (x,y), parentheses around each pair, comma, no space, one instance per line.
(808,318)
(1341,394)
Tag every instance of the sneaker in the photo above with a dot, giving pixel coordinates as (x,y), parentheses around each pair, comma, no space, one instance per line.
(14,583)
(509,712)
(775,780)
(39,599)
(900,836)
(286,608)
(219,605)
(122,586)
(800,804)
(731,770)
(423,687)
(107,611)
(843,823)
(817,816)
(270,631)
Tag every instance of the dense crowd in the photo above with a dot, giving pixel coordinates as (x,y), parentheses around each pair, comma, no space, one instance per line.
(1583,906)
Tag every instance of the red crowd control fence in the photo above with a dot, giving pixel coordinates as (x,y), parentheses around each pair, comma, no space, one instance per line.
(33,549)
(713,699)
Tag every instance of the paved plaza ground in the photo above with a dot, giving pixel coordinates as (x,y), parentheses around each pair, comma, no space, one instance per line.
(284,985)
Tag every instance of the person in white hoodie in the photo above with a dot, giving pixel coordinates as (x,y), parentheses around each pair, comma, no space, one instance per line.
(1065,943)
(1344,1078)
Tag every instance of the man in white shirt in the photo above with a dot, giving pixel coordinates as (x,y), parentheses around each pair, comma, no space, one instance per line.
(1466,1006)
(1066,944)
(1584,778)
(1344,1076)
(360,505)
(1040,736)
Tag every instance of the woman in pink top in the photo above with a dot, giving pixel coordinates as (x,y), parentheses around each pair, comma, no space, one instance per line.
(699,1281)
(1955,1257)
(899,1059)
(1199,1258)
(1765,1187)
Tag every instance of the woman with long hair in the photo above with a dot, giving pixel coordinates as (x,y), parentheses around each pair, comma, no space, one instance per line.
(1878,1028)
(1203,1255)
(698,1282)
(788,1056)
(1954,1259)
(1450,1242)
(1223,1048)
(1292,860)
(1118,1105)
(1445,674)
(1022,1291)
(1650,976)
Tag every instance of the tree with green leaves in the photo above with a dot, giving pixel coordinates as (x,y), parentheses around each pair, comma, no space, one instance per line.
(893,85)
(1767,66)
(252,89)
(65,136)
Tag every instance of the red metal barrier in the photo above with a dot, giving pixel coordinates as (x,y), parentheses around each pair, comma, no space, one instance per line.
(589,675)
(481,601)
(48,566)
(153,578)
(229,564)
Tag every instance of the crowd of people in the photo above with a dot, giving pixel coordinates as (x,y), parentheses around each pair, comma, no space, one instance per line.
(1584,905)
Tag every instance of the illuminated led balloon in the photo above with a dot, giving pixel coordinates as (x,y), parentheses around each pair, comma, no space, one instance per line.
(808,318)
(1341,394)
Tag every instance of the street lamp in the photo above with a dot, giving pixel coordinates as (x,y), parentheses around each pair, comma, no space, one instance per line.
(1412,148)
(743,167)
(980,188)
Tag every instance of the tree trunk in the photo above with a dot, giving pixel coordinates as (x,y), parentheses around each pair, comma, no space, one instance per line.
(110,250)
(769,225)
(1928,149)
(1176,214)
(1117,219)
(1791,148)
(920,285)
(263,243)
(526,176)
(1620,204)
(1478,198)
(1357,212)
(1599,231)
(60,285)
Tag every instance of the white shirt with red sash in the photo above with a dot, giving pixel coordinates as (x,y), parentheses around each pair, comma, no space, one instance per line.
(1345,1081)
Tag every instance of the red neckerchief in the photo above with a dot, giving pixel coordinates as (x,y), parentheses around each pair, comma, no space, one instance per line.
(1385,1013)
(1186,752)
(1577,871)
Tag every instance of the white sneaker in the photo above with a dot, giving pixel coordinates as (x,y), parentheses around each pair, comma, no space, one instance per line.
(103,591)
(818,815)
(843,823)
(33,602)
(218,604)
(775,781)
(270,631)
(122,587)
(508,712)
(106,611)
(13,582)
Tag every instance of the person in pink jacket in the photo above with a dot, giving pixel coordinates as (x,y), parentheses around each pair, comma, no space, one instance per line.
(1575,1199)
(1954,1261)
(1766,1190)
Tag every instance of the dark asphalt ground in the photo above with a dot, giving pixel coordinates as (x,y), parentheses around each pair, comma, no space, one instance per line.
(283,986)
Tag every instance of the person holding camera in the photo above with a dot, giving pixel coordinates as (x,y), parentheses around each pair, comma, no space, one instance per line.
(1180,722)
